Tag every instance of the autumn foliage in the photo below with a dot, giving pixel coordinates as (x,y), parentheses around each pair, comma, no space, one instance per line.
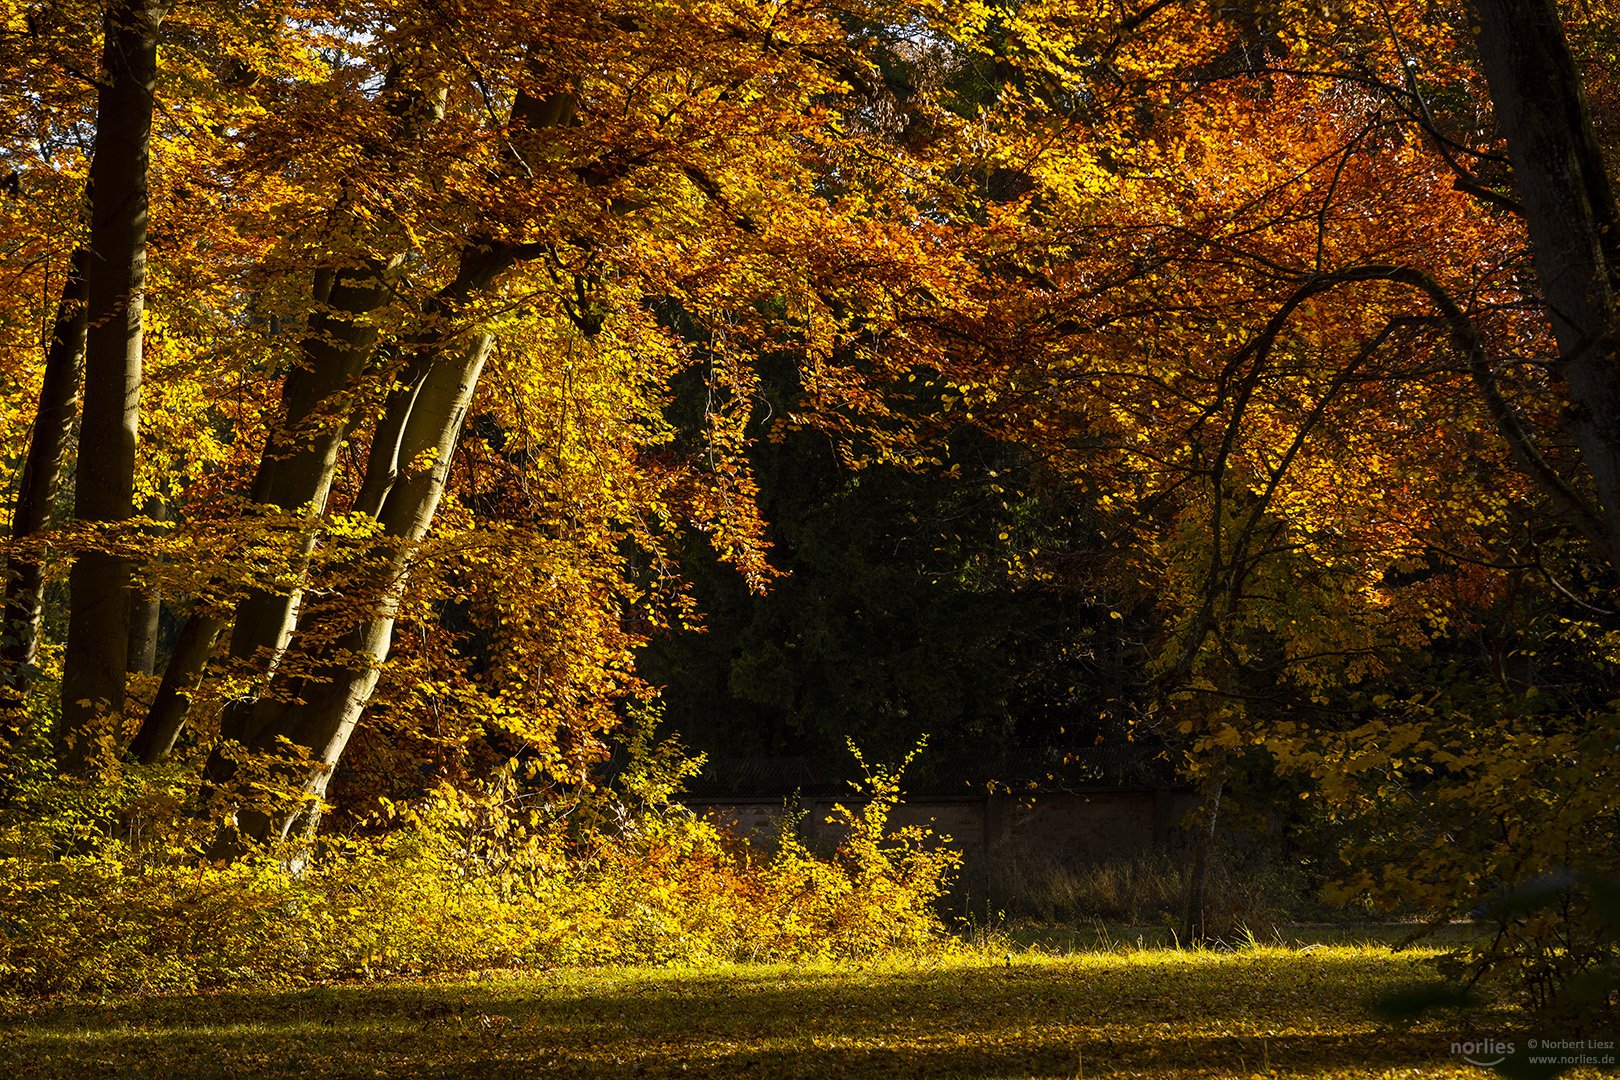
(442,330)
(506,873)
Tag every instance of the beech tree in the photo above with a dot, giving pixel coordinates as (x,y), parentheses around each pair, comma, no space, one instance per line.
(1266,298)
(48,447)
(114,303)
(424,277)
(1561,175)
(359,214)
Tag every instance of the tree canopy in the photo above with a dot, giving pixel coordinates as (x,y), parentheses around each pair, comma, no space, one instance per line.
(1242,380)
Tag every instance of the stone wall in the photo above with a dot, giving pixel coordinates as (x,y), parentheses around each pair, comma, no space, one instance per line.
(1002,837)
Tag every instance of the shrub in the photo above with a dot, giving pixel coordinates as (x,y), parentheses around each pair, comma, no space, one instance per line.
(103,888)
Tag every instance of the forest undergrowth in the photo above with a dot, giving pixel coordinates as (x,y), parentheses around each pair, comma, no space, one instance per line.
(106,886)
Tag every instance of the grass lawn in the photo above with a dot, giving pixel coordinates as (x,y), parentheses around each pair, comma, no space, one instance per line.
(1125,1012)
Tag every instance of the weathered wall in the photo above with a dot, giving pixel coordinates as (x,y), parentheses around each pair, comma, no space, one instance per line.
(1000,836)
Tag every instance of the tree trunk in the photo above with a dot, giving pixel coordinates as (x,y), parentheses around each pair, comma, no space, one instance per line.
(1195,915)
(295,473)
(146,611)
(317,715)
(40,481)
(300,460)
(330,683)
(115,287)
(172,705)
(1574,227)
(329,676)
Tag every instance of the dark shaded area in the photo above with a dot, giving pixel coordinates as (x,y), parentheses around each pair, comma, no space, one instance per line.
(938,603)
(1026,771)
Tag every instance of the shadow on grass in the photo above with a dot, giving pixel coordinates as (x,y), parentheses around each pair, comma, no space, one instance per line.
(1296,1014)
(1114,937)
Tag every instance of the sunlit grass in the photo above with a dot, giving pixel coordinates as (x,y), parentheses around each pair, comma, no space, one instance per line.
(1001,1013)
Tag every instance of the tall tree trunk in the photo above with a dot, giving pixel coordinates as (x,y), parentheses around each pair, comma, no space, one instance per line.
(1195,912)
(172,705)
(41,478)
(331,682)
(330,674)
(146,611)
(255,724)
(295,473)
(1573,222)
(36,494)
(115,288)
(299,461)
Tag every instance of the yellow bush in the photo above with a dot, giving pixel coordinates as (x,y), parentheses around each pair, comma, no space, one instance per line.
(102,887)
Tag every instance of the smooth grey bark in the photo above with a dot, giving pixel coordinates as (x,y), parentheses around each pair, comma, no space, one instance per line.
(1570,209)
(329,674)
(294,473)
(316,698)
(145,611)
(115,293)
(322,693)
(300,459)
(319,708)
(48,446)
(172,705)
(299,462)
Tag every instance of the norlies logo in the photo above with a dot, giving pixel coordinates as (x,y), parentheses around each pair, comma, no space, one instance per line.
(1483,1052)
